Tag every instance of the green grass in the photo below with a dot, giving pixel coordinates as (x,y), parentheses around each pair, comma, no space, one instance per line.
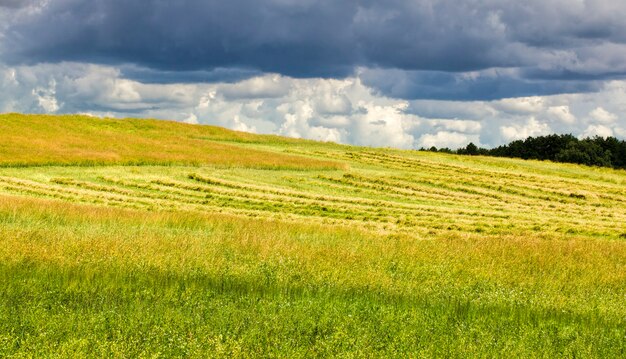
(346,251)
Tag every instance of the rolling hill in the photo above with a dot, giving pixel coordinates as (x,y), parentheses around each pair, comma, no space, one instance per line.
(155,238)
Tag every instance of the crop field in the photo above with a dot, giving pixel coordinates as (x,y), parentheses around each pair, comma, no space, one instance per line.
(138,238)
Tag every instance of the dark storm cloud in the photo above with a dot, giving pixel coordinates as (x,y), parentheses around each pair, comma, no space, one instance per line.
(14,4)
(557,45)
(489,85)
(299,39)
(152,76)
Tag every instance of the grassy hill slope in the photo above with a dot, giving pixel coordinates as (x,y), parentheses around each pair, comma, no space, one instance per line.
(142,238)
(82,140)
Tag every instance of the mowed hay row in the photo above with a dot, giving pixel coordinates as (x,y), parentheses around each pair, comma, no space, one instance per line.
(244,202)
(181,196)
(497,169)
(160,194)
(509,180)
(380,199)
(608,189)
(516,207)
(73,191)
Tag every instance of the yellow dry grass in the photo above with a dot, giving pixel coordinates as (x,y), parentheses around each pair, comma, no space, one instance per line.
(81,140)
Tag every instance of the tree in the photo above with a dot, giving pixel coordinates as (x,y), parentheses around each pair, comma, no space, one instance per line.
(597,151)
(586,152)
(471,149)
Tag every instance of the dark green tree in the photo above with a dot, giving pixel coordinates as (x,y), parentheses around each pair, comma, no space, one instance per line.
(471,149)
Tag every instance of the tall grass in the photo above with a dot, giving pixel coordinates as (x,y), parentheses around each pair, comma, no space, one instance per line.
(82,280)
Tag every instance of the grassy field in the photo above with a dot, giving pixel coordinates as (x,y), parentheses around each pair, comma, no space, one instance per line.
(135,238)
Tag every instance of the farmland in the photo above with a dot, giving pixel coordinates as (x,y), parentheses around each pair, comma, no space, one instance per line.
(152,238)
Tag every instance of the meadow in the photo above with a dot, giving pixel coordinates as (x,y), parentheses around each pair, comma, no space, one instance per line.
(140,238)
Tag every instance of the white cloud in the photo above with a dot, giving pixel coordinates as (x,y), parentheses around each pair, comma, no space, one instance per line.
(464,126)
(562,113)
(602,116)
(333,102)
(522,105)
(103,87)
(380,125)
(192,119)
(46,97)
(239,125)
(452,140)
(531,128)
(597,130)
(266,86)
(471,110)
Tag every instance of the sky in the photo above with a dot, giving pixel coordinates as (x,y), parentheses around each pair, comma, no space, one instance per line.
(393,73)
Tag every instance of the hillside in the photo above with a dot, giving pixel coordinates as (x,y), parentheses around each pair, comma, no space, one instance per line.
(140,236)
(81,140)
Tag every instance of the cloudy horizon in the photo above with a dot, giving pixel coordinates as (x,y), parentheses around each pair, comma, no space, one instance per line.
(406,74)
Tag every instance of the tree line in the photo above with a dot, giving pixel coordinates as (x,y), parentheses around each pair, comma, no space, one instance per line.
(596,151)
